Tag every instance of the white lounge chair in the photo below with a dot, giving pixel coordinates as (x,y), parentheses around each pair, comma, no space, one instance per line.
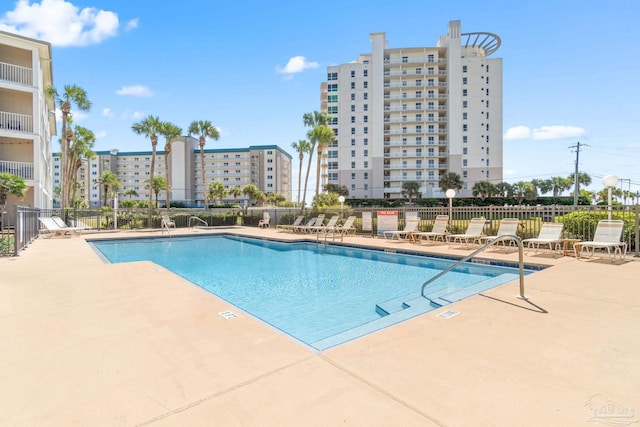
(265,222)
(290,227)
(508,226)
(313,222)
(329,225)
(472,235)
(410,226)
(438,232)
(550,234)
(607,236)
(59,228)
(347,227)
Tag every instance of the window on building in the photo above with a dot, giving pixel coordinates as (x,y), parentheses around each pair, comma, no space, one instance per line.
(353,96)
(332,87)
(353,73)
(366,130)
(418,70)
(332,110)
(366,164)
(353,165)
(464,80)
(464,162)
(365,73)
(464,128)
(353,85)
(365,107)
(464,150)
(464,139)
(366,175)
(332,98)
(464,116)
(366,187)
(418,94)
(404,164)
(464,68)
(353,175)
(418,117)
(366,141)
(353,153)
(464,104)
(353,108)
(419,82)
(366,153)
(465,174)
(365,95)
(353,187)
(366,85)
(332,76)
(464,92)
(353,131)
(430,58)
(418,152)
(353,142)
(405,59)
(269,160)
(353,119)
(419,129)
(404,118)
(365,119)
(404,129)
(418,140)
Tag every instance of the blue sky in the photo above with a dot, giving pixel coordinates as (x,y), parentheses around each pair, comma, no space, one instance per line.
(254,68)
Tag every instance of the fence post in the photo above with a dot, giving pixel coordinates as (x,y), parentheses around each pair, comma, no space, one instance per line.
(637,231)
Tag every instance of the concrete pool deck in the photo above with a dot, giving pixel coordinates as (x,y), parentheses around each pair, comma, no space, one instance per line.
(88,343)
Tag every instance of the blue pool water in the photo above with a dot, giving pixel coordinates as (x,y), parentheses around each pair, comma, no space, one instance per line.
(322,295)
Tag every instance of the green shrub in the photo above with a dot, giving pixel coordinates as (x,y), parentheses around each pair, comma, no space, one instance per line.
(582,225)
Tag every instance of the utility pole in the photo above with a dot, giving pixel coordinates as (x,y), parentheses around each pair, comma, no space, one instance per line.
(576,180)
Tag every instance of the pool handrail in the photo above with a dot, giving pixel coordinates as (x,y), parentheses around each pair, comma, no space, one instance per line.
(480,249)
(199,219)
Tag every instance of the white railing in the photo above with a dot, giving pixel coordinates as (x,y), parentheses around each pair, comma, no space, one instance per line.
(16,74)
(21,169)
(16,122)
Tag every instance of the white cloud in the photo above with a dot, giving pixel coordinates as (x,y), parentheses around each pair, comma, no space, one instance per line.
(297,64)
(106,112)
(100,135)
(544,132)
(509,173)
(137,115)
(132,115)
(132,24)
(60,23)
(135,90)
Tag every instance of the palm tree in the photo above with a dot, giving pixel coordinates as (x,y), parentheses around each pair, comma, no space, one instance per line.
(410,189)
(217,191)
(250,191)
(483,189)
(156,185)
(450,180)
(76,95)
(583,179)
(302,146)
(149,127)
(169,131)
(235,192)
(318,135)
(204,129)
(504,189)
(108,181)
(559,184)
(82,148)
(543,185)
(131,193)
(524,190)
(10,184)
(275,198)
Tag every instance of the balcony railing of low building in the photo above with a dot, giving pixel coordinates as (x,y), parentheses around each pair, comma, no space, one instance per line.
(16,122)
(16,74)
(21,169)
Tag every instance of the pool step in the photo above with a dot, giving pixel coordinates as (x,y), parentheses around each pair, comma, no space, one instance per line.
(472,290)
(439,296)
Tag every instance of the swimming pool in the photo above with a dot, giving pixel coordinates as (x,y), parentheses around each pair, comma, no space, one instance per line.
(322,295)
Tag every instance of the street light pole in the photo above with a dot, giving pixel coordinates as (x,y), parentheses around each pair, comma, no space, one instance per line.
(450,193)
(609,181)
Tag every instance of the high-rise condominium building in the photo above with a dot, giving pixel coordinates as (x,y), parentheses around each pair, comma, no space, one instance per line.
(268,167)
(414,114)
(27,118)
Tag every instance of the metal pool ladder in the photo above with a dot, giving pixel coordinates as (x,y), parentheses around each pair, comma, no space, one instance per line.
(199,219)
(480,249)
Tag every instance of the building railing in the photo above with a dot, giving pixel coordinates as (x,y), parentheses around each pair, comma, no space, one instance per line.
(16,74)
(22,169)
(16,122)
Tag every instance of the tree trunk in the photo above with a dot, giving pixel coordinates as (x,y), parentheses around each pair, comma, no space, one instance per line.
(306,180)
(154,143)
(204,185)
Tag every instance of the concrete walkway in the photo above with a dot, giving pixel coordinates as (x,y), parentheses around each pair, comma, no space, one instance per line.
(93,344)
